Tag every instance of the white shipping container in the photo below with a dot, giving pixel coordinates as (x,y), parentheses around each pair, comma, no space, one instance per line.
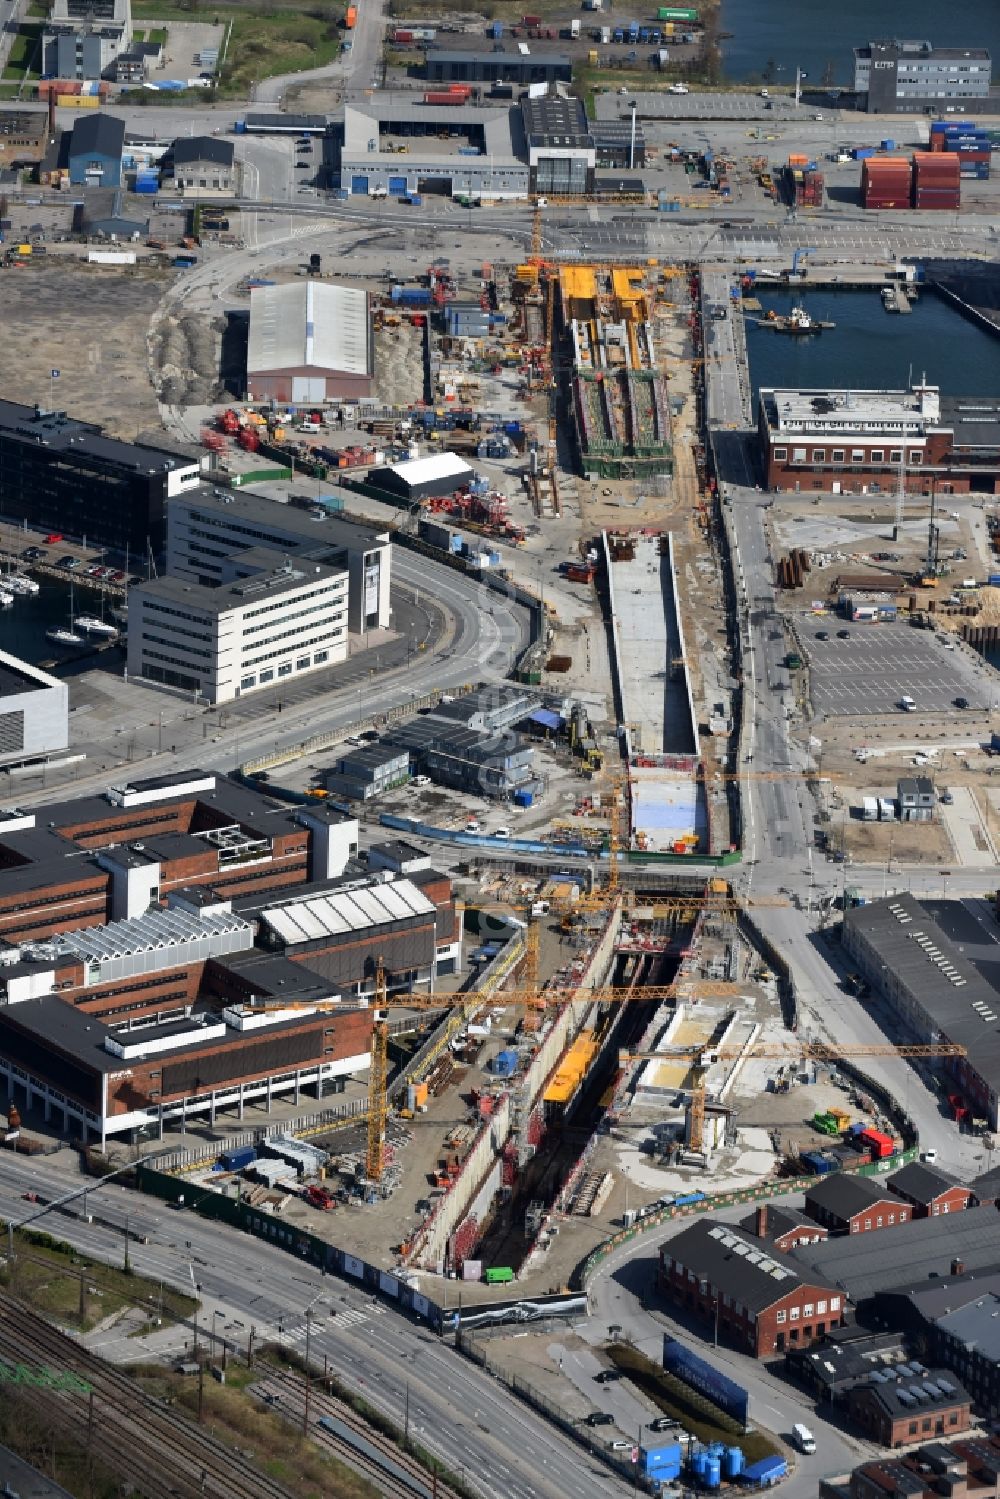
(111,257)
(886,809)
(869,809)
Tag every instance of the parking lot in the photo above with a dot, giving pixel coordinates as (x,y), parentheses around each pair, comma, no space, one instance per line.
(868,673)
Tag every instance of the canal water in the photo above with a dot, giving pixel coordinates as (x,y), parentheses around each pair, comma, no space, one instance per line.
(870,348)
(814,36)
(23,625)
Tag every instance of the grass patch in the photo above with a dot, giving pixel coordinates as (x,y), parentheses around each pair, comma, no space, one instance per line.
(262,46)
(675,1399)
(37,8)
(47,1272)
(158,35)
(274,1444)
(268,37)
(23,50)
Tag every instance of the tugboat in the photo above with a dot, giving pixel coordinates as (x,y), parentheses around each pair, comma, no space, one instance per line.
(797,321)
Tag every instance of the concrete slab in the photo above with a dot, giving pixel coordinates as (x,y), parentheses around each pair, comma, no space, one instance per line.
(970,836)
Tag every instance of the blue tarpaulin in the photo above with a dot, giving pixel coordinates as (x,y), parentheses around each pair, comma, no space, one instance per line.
(547,719)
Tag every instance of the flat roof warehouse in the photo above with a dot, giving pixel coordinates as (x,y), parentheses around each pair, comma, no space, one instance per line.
(940,966)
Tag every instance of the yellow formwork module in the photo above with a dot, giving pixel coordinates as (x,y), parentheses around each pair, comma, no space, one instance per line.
(572,1069)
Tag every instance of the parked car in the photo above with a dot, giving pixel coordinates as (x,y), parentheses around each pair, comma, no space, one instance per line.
(843,634)
(600,1418)
(53,537)
(502,833)
(961,702)
(822,634)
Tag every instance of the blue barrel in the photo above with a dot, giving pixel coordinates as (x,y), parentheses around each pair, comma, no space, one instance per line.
(699,1462)
(713,1473)
(716,1449)
(732,1462)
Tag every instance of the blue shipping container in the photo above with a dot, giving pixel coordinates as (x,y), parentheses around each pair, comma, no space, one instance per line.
(239,1157)
(654,1461)
(762,1474)
(522,798)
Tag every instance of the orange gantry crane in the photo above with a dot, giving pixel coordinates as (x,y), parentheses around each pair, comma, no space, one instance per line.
(702,1057)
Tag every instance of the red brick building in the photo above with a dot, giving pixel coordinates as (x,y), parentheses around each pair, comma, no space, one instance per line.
(783,1228)
(969,1466)
(900,1408)
(929,1191)
(846,1204)
(759,1303)
(860,441)
(183,944)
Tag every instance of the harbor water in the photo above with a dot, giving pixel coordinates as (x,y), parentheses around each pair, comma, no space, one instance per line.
(871,349)
(785,34)
(23,625)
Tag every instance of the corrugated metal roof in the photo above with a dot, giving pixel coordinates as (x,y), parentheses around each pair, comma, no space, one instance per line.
(354,911)
(892,1258)
(307,323)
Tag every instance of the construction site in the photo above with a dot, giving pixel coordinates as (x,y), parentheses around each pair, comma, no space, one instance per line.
(619,397)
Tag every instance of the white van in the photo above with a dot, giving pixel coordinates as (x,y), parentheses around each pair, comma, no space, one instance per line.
(803,1438)
(907,704)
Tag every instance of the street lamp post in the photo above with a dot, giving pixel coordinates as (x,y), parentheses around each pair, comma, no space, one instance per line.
(215,1335)
(305,1411)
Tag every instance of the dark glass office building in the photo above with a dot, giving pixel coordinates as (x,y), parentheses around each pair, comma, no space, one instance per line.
(60,474)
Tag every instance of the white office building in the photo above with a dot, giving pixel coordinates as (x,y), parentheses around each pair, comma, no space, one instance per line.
(206,527)
(34,710)
(270,618)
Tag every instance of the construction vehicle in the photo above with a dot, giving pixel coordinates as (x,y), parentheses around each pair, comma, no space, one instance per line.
(320,1197)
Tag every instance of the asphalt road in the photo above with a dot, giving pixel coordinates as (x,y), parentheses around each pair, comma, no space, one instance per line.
(484,634)
(456,1410)
(624,1293)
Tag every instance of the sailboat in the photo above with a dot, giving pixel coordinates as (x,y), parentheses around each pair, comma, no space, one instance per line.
(60,636)
(18,583)
(93,626)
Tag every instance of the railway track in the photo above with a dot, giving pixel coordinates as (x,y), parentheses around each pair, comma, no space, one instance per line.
(411,1479)
(160,1450)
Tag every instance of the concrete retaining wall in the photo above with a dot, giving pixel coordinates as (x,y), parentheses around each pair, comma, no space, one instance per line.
(430,1241)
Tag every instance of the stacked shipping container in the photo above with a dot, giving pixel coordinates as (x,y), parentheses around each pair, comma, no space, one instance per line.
(936,182)
(886,182)
(805,182)
(969,142)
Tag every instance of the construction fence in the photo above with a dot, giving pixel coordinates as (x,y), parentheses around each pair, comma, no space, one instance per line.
(761,1192)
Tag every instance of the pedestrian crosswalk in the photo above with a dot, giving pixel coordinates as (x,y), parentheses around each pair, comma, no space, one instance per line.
(340,1317)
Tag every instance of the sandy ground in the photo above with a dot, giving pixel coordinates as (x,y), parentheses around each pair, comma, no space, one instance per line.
(91,324)
(399,364)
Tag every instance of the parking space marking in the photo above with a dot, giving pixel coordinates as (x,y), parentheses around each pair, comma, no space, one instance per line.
(867,674)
